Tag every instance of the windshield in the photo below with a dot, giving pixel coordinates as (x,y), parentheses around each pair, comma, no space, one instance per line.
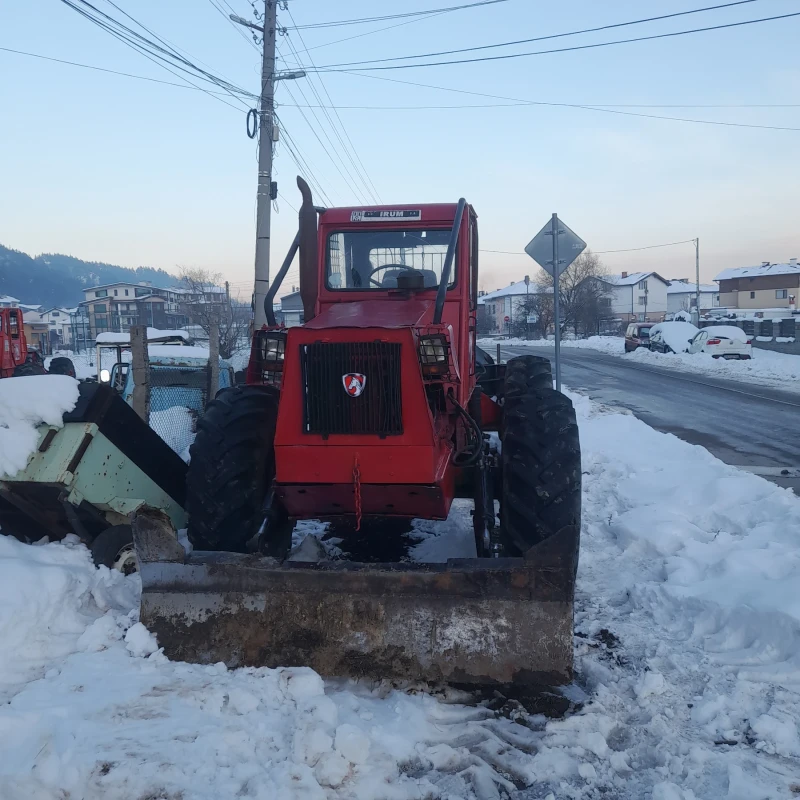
(364,259)
(644,332)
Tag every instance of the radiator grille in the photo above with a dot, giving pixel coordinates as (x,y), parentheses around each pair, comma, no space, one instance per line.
(330,409)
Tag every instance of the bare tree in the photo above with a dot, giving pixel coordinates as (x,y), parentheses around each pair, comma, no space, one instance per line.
(581,294)
(208,304)
(538,303)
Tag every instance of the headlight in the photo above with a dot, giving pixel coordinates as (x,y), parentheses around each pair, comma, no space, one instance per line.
(273,348)
(432,350)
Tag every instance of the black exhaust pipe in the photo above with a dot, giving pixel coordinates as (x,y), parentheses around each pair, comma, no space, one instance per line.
(309,256)
(448,262)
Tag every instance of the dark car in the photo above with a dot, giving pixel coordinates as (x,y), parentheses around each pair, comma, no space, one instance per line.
(637,335)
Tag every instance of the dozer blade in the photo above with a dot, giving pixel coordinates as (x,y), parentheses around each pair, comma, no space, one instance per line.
(471,621)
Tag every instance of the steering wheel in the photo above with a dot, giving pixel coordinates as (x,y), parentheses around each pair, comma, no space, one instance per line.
(401,267)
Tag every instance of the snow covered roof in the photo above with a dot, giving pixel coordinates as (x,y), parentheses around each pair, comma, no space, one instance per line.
(758,272)
(513,290)
(30,306)
(681,287)
(7,298)
(153,335)
(630,278)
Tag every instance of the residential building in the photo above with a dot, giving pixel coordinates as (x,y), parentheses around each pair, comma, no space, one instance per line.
(506,302)
(292,312)
(116,306)
(37,332)
(636,296)
(58,321)
(766,286)
(681,295)
(6,301)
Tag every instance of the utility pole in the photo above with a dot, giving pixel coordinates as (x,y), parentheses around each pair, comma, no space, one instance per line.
(697,279)
(264,194)
(266,125)
(230,308)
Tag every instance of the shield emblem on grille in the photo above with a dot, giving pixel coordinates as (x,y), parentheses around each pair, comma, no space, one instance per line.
(354,383)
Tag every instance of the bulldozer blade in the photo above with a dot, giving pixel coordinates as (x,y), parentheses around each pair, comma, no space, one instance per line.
(469,621)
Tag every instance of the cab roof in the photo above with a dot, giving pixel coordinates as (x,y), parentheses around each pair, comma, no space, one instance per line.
(412,214)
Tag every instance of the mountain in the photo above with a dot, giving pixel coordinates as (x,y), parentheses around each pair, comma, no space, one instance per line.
(52,279)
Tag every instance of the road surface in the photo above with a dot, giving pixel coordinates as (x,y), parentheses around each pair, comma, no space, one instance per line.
(743,424)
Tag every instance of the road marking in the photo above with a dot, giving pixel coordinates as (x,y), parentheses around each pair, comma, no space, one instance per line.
(674,374)
(771,472)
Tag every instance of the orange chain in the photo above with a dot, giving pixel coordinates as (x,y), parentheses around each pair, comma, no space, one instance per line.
(357,490)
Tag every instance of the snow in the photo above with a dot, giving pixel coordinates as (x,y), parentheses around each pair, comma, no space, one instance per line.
(681,287)
(728,331)
(687,646)
(153,334)
(677,335)
(765,368)
(26,403)
(179,351)
(81,362)
(754,272)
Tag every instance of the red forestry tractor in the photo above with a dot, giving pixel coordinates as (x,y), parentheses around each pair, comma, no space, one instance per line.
(13,347)
(379,405)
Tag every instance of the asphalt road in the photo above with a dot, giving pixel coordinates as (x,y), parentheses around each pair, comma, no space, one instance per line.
(743,424)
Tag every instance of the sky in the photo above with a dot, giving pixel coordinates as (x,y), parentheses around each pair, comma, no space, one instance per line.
(130,172)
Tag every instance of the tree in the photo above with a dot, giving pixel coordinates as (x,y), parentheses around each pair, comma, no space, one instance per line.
(208,304)
(539,303)
(581,295)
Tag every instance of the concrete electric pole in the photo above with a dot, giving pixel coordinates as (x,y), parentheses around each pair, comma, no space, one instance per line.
(266,128)
(697,279)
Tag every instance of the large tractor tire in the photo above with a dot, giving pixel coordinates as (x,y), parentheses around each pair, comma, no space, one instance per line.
(526,374)
(541,464)
(231,469)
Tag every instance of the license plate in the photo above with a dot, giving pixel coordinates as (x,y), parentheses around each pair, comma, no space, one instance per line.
(730,355)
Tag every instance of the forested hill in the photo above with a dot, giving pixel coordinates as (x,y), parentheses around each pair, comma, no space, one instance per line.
(58,280)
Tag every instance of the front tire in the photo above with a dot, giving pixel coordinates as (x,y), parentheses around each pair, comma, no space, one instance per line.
(231,469)
(526,374)
(541,471)
(113,548)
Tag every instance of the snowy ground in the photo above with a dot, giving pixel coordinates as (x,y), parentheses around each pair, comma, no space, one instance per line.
(766,367)
(687,644)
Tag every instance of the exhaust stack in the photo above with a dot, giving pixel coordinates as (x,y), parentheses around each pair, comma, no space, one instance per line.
(308,251)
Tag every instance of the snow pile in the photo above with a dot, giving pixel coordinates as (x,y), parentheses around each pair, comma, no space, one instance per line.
(613,345)
(687,643)
(26,403)
(676,335)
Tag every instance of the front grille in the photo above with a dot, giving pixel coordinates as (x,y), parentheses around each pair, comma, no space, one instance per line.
(330,409)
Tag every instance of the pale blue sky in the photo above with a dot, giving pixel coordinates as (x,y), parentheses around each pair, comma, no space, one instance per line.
(120,170)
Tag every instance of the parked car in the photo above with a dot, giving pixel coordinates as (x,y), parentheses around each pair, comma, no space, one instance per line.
(637,335)
(722,341)
(672,337)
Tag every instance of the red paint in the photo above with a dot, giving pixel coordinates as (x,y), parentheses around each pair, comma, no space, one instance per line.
(410,474)
(13,347)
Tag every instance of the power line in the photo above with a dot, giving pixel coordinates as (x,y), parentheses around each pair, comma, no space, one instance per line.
(601,252)
(362,20)
(551,36)
(360,169)
(236,27)
(349,180)
(117,72)
(571,105)
(574,47)
(599,109)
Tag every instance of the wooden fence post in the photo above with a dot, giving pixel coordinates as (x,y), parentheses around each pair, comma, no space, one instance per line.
(141,372)
(213,360)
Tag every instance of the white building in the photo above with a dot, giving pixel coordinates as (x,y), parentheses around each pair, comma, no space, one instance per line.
(505,303)
(681,296)
(637,296)
(6,301)
(58,322)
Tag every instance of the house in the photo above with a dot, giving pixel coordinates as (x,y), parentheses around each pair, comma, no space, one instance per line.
(767,286)
(636,296)
(6,301)
(37,332)
(292,312)
(116,306)
(506,302)
(681,295)
(58,321)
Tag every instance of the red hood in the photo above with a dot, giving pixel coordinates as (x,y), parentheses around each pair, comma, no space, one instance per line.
(410,313)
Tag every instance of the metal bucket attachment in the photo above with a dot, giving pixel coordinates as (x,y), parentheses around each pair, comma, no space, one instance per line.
(472,621)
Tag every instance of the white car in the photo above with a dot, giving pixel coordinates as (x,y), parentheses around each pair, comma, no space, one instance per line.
(672,337)
(722,341)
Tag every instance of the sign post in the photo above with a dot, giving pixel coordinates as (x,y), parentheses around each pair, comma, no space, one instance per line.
(554,256)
